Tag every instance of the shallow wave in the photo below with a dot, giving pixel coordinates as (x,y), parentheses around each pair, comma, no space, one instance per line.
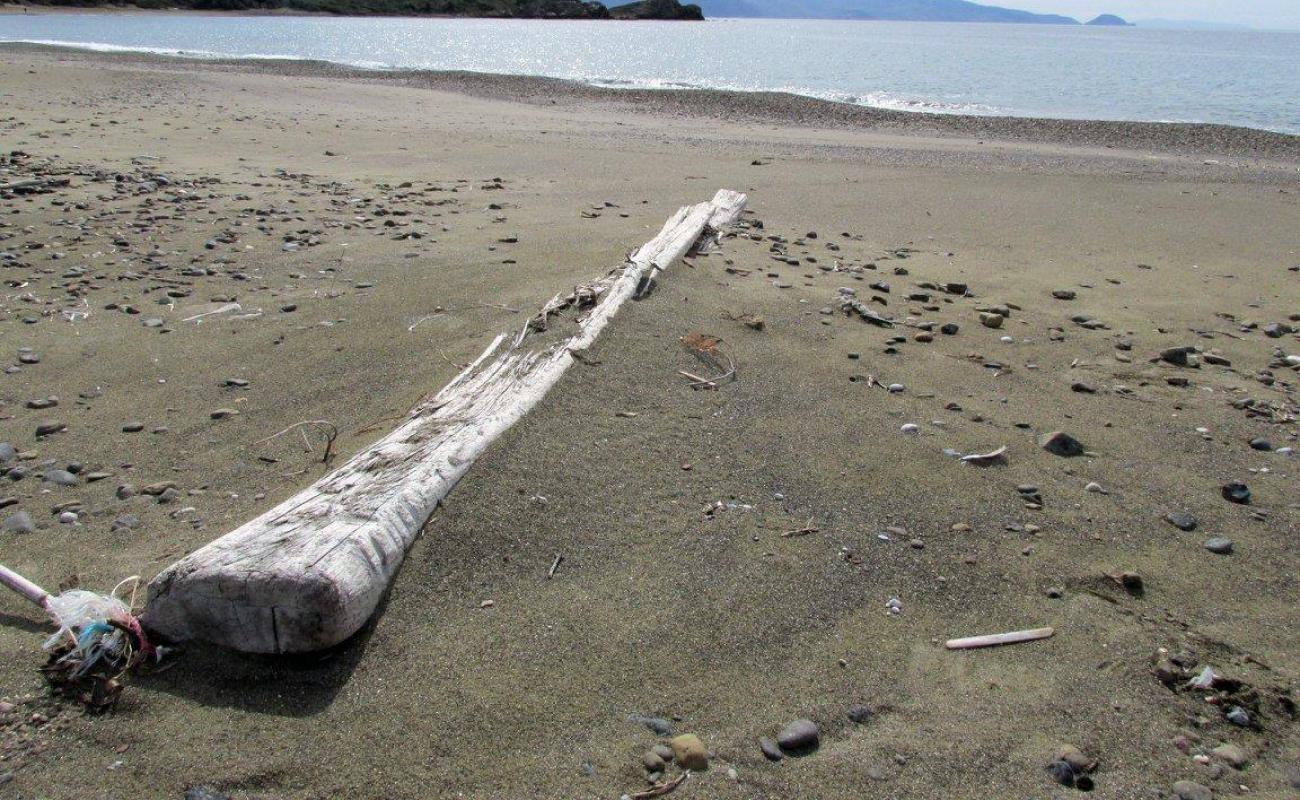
(883,100)
(103,47)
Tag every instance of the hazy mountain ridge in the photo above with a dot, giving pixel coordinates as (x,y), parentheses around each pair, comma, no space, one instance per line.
(509,9)
(900,10)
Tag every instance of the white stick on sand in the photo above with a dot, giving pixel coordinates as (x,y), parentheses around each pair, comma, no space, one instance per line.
(307,574)
(993,639)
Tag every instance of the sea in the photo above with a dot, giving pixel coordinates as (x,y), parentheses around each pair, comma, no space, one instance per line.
(1245,78)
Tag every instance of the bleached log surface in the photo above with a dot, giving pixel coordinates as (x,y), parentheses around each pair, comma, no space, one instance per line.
(308,573)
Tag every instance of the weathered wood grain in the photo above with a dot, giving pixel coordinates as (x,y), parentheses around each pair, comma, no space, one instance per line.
(308,573)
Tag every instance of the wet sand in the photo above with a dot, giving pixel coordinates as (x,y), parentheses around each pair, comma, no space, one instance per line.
(664,604)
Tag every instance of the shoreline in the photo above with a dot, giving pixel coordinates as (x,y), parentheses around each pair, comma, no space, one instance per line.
(748,107)
(216,254)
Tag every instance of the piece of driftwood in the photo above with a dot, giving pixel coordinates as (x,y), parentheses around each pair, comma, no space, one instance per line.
(307,574)
(852,305)
(994,639)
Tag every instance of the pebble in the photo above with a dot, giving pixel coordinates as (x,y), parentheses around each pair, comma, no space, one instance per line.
(1232,755)
(7,452)
(652,761)
(50,427)
(68,517)
(133,427)
(657,725)
(1095,488)
(1064,294)
(1061,772)
(204,793)
(1179,356)
(689,752)
(1238,716)
(1219,544)
(126,522)
(911,428)
(223,413)
(859,714)
(1190,790)
(1236,492)
(1261,444)
(663,751)
(19,522)
(770,749)
(1061,444)
(1073,756)
(800,736)
(60,477)
(990,320)
(1181,520)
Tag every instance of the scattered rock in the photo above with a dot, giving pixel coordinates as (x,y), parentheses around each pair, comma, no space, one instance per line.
(990,320)
(1236,492)
(1220,545)
(1190,790)
(126,522)
(1179,356)
(1062,444)
(689,752)
(657,725)
(770,749)
(799,737)
(50,427)
(860,714)
(652,761)
(1232,755)
(60,477)
(1181,520)
(19,522)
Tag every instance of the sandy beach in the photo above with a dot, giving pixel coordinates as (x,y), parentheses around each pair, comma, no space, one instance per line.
(219,250)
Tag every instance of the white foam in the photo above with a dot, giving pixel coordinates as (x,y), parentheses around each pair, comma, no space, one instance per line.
(104,47)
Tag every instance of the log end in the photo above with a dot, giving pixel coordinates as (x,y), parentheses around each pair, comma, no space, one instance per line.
(288,611)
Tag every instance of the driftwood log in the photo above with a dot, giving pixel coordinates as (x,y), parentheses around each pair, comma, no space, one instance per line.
(307,574)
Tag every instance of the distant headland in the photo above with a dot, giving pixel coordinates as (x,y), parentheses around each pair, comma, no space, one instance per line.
(501,9)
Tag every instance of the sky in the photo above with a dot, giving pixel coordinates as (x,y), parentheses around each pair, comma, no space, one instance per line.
(1256,13)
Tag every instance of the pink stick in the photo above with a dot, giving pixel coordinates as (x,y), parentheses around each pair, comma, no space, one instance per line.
(23,586)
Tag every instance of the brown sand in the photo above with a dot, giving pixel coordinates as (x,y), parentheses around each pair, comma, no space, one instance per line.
(713,620)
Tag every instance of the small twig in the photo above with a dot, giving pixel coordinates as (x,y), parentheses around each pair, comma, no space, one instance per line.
(698,382)
(329,440)
(804,531)
(661,789)
(449,361)
(550,573)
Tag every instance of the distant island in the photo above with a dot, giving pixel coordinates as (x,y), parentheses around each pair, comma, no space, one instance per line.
(504,9)
(1110,20)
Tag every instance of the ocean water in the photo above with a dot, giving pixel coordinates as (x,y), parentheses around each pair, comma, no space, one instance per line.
(1237,78)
